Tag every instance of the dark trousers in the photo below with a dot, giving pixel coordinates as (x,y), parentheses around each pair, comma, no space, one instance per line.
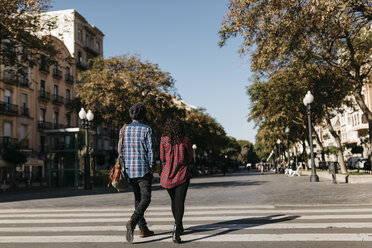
(178,196)
(142,198)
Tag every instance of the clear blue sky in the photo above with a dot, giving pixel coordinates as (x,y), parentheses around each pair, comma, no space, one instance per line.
(180,36)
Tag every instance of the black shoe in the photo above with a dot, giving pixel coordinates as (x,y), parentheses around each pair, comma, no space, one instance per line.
(176,235)
(130,230)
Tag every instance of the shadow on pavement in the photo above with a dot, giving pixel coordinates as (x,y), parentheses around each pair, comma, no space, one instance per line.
(225,184)
(232,225)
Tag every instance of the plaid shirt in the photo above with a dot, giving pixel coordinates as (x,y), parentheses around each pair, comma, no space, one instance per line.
(175,160)
(137,149)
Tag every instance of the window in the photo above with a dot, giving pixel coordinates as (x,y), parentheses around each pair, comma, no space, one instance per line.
(8,97)
(56,119)
(7,129)
(98,46)
(68,120)
(55,68)
(67,72)
(42,85)
(80,57)
(23,132)
(55,91)
(42,114)
(80,35)
(68,95)
(24,104)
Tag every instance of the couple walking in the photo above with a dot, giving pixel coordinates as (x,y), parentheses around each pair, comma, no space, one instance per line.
(137,156)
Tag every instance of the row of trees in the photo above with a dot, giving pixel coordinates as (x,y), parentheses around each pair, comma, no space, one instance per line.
(295,46)
(111,86)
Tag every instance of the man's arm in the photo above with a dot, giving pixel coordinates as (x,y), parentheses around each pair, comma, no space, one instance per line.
(150,147)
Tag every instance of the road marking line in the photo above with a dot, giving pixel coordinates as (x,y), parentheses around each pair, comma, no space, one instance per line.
(309,237)
(186,218)
(110,213)
(123,209)
(194,227)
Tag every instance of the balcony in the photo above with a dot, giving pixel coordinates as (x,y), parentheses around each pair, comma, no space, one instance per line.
(81,65)
(58,100)
(25,82)
(58,126)
(5,141)
(10,79)
(44,68)
(44,96)
(92,51)
(44,125)
(57,74)
(68,102)
(25,111)
(8,108)
(69,79)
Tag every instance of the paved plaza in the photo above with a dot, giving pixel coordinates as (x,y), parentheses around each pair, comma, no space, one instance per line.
(243,209)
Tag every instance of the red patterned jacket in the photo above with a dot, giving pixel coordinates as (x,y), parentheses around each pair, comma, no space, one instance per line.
(175,160)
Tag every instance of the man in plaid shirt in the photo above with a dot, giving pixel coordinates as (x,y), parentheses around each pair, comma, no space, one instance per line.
(138,158)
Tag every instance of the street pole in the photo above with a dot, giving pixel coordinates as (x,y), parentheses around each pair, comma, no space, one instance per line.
(308,99)
(287,133)
(86,119)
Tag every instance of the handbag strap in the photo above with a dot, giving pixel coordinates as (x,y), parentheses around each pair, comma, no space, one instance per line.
(121,142)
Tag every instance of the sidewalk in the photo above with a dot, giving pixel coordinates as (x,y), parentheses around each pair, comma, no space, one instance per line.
(342,178)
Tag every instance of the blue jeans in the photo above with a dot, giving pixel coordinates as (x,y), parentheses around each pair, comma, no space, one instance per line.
(142,198)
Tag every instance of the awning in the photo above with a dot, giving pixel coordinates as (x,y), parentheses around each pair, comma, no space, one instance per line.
(34,162)
(4,164)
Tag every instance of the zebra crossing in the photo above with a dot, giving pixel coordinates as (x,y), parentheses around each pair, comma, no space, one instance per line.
(236,223)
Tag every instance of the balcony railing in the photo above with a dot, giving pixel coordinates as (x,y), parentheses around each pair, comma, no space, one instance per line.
(44,95)
(68,102)
(57,99)
(44,68)
(42,125)
(57,74)
(69,79)
(25,111)
(5,141)
(8,108)
(25,82)
(58,126)
(10,79)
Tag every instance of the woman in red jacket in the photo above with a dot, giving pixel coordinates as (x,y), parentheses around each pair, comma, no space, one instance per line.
(176,155)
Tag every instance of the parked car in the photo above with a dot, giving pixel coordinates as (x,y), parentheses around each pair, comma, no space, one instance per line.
(364,164)
(352,162)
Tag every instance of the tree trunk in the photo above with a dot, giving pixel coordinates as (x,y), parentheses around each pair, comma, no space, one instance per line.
(304,154)
(319,142)
(338,142)
(359,99)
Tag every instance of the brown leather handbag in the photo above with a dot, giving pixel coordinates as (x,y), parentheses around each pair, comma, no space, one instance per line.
(117,177)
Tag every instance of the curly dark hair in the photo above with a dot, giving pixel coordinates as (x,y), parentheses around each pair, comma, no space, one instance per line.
(174,130)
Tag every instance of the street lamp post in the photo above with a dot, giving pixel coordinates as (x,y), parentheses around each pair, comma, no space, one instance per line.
(86,122)
(287,133)
(308,99)
(278,142)
(194,147)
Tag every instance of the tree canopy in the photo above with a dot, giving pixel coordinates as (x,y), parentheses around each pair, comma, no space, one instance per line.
(24,34)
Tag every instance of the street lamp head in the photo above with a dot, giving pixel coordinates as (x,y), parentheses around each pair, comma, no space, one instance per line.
(308,99)
(287,130)
(82,114)
(278,142)
(194,147)
(90,115)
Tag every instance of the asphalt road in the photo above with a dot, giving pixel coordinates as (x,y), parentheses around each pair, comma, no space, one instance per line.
(243,209)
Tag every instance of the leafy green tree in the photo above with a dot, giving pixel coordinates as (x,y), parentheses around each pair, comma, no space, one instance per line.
(334,34)
(21,26)
(247,153)
(111,86)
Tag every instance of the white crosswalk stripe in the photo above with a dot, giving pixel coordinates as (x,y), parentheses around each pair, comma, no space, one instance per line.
(202,224)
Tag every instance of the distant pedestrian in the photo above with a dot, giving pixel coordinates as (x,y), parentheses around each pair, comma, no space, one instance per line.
(138,159)
(176,154)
